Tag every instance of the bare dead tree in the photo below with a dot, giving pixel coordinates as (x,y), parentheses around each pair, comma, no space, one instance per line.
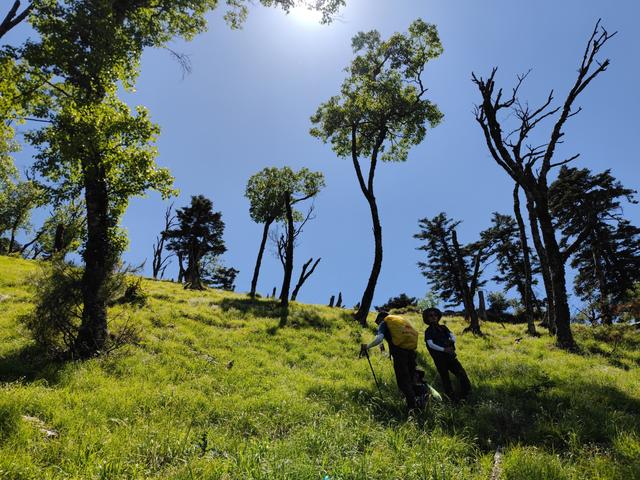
(160,263)
(13,18)
(304,274)
(529,165)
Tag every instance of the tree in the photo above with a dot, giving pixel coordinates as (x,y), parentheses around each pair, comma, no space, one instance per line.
(295,187)
(529,166)
(63,232)
(453,270)
(402,301)
(87,50)
(160,263)
(198,233)
(216,275)
(380,114)
(304,275)
(17,200)
(265,192)
(14,16)
(608,260)
(513,261)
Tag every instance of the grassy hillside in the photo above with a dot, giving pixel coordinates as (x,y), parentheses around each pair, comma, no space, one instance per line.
(218,389)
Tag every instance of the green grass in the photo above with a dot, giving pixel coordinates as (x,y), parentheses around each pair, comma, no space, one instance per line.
(297,403)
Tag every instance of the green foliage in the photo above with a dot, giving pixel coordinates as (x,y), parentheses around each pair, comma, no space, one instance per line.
(588,210)
(430,300)
(401,302)
(380,105)
(54,322)
(198,233)
(267,191)
(498,303)
(440,269)
(55,319)
(17,200)
(64,231)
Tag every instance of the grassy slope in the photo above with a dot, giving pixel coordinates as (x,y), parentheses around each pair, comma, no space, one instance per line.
(298,404)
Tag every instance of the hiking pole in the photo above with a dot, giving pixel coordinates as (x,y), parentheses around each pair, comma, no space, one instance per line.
(366,352)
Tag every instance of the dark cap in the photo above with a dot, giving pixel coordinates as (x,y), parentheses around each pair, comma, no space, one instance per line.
(381,316)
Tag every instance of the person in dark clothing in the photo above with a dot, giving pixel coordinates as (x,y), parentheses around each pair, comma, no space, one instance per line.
(402,339)
(441,343)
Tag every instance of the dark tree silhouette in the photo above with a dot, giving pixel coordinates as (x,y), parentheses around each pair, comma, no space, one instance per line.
(453,270)
(608,260)
(529,166)
(14,16)
(198,233)
(513,263)
(380,114)
(304,275)
(401,301)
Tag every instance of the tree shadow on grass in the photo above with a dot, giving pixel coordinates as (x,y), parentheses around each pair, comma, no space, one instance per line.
(540,412)
(29,364)
(252,307)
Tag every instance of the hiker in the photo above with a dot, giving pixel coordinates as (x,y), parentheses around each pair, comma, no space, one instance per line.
(441,343)
(403,341)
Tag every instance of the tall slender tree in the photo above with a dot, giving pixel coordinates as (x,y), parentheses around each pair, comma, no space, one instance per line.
(529,166)
(380,114)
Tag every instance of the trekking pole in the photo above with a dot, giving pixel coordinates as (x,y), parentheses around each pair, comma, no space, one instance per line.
(374,373)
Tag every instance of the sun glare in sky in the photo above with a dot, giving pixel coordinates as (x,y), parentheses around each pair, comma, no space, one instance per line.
(305,16)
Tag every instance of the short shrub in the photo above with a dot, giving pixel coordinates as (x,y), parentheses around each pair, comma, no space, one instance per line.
(55,321)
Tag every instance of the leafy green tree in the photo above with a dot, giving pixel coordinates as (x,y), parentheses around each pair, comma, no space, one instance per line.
(198,233)
(88,50)
(62,233)
(295,187)
(17,201)
(454,271)
(216,275)
(607,257)
(380,114)
(265,192)
(513,149)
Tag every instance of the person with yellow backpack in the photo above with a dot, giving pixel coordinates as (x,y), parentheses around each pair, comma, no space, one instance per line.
(402,339)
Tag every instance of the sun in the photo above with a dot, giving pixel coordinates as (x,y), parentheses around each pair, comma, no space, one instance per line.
(306,16)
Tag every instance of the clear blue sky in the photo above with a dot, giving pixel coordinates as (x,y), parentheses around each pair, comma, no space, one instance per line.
(246,105)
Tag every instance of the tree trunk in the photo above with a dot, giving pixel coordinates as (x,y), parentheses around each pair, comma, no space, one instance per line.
(605,310)
(467,293)
(558,281)
(303,276)
(180,268)
(481,306)
(193,280)
(544,265)
(367,297)
(288,264)
(99,263)
(256,270)
(527,298)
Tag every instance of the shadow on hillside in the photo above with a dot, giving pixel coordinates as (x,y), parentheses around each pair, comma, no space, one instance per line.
(295,316)
(29,364)
(252,307)
(543,413)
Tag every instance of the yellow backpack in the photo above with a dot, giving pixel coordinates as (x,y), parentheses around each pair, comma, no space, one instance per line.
(403,334)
